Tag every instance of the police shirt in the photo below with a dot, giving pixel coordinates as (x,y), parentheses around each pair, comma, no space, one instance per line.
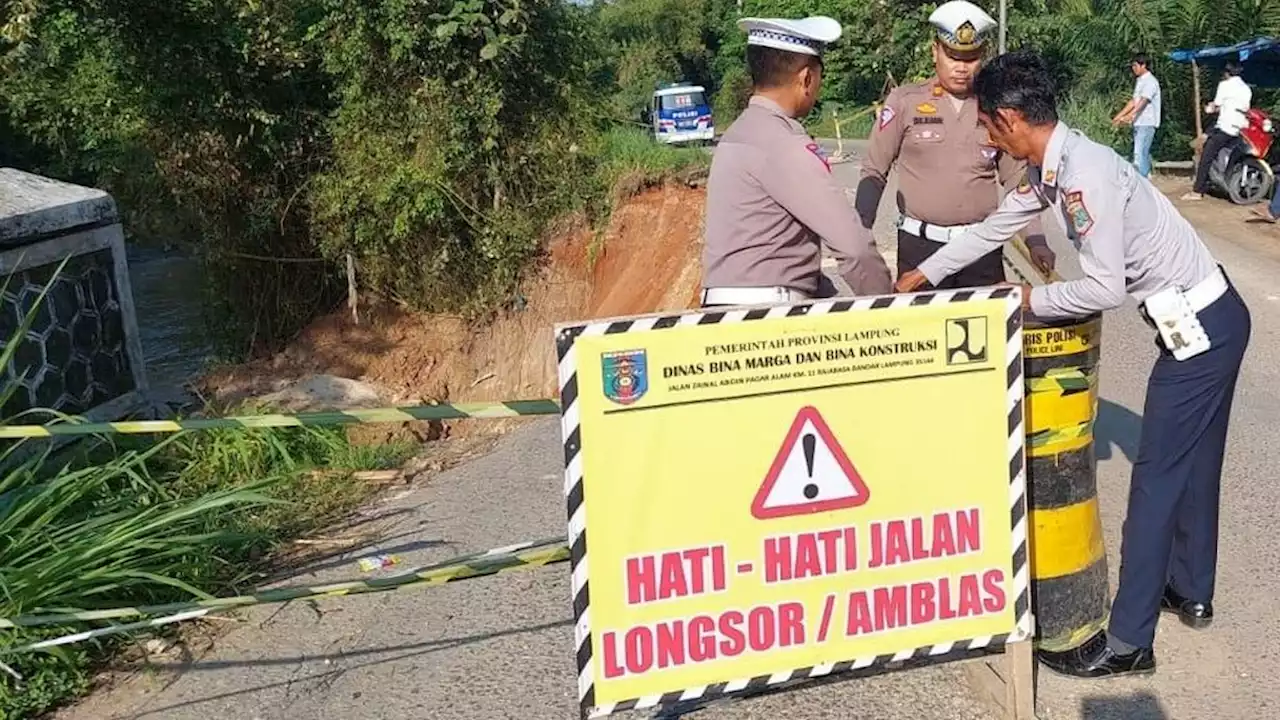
(947,165)
(770,197)
(1129,236)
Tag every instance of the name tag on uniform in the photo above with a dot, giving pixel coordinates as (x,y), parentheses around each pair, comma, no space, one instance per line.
(1183,335)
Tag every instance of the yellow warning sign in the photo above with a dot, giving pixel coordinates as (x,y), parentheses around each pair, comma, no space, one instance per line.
(754,494)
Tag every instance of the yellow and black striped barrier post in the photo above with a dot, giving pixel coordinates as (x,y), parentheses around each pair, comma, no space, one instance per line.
(1070,591)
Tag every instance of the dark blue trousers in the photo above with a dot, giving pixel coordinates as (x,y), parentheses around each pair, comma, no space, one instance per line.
(1171,530)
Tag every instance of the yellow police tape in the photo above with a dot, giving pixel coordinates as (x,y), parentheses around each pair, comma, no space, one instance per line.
(1058,341)
(1066,540)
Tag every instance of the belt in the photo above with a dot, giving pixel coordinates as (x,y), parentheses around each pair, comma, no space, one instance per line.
(936,233)
(752,295)
(1204,293)
(1201,295)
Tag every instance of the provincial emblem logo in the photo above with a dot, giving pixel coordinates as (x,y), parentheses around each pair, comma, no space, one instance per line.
(626,375)
(1081,220)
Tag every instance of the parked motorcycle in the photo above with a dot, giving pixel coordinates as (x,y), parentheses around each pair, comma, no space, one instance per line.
(1244,167)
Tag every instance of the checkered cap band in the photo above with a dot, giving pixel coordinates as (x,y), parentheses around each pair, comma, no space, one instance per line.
(783,37)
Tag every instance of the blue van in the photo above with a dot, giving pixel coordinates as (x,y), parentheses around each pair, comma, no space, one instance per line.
(680,114)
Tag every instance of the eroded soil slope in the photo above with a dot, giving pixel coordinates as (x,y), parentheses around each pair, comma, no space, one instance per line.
(647,261)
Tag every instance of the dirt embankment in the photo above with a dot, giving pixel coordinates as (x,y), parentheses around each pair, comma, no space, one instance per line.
(647,261)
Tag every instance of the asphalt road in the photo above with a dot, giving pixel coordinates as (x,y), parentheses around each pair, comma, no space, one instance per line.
(502,647)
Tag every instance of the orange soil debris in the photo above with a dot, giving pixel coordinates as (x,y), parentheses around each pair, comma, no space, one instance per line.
(648,261)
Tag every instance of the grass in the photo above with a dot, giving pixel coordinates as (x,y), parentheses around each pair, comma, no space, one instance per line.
(634,160)
(129,520)
(191,516)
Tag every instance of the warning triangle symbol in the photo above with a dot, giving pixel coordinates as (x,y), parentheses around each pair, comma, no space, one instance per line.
(811,473)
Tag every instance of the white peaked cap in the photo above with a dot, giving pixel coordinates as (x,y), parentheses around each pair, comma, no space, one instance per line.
(809,36)
(961,25)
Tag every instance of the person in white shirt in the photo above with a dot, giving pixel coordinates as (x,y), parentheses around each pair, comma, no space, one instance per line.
(1230,103)
(1142,111)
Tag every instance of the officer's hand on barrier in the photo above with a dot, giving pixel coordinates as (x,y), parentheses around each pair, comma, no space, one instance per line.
(909,281)
(1043,258)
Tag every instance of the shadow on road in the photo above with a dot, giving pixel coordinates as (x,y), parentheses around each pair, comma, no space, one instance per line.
(351,555)
(322,681)
(1139,706)
(1116,425)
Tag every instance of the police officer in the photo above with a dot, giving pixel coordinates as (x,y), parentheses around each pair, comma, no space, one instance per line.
(770,193)
(947,165)
(1130,240)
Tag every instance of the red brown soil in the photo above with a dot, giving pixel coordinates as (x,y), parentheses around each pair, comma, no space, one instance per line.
(648,260)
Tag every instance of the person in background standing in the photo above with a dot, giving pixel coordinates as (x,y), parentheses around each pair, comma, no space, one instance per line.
(1142,111)
(1230,103)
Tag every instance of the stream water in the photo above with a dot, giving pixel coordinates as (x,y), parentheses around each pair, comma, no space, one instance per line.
(166,294)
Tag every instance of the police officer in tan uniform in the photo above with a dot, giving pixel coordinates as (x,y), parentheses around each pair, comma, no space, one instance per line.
(947,165)
(770,194)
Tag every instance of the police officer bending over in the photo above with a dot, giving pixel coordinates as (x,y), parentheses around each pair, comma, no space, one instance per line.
(947,165)
(770,194)
(1130,239)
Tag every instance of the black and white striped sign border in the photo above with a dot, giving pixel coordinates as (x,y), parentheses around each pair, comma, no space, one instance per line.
(571,432)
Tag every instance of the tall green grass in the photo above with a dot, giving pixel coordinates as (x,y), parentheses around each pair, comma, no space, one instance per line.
(632,158)
(134,520)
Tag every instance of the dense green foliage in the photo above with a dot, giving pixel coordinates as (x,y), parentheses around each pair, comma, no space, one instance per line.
(1088,42)
(436,140)
(432,140)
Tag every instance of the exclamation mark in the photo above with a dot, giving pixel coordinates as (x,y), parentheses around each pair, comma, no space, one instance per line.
(810,445)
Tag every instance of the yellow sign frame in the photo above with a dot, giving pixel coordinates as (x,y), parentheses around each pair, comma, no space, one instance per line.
(604,373)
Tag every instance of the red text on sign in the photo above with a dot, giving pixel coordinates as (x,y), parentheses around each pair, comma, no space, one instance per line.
(945,535)
(702,638)
(675,574)
(899,606)
(810,554)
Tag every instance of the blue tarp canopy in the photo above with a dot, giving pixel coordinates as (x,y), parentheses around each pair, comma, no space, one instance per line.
(1260,56)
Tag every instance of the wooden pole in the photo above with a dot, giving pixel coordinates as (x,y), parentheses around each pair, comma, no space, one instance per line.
(1004,22)
(351,289)
(835,115)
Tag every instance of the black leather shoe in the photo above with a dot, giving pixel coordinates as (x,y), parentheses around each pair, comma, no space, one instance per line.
(1192,613)
(1094,659)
